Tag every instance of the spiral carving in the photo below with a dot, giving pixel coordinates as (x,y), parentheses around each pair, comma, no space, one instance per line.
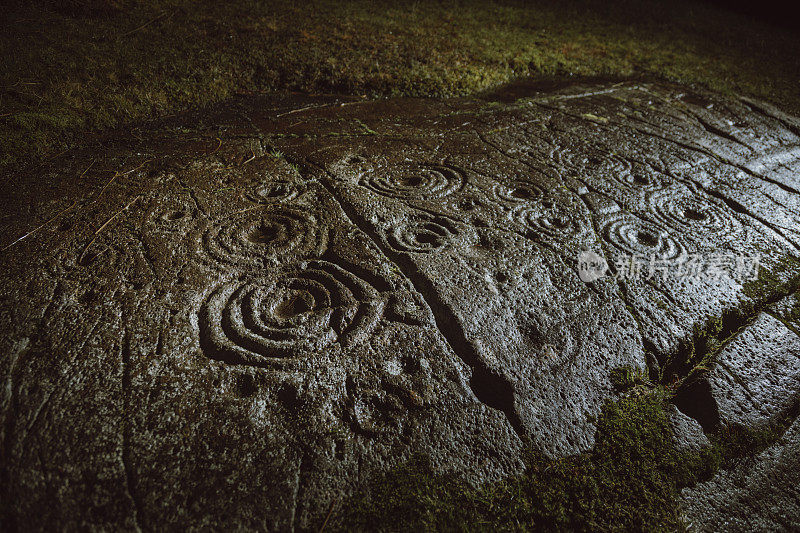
(640,238)
(169,214)
(549,218)
(273,192)
(252,237)
(293,314)
(682,212)
(517,192)
(594,163)
(638,177)
(421,235)
(414,181)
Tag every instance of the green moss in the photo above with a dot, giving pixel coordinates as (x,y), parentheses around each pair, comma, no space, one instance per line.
(627,377)
(792,316)
(781,280)
(695,355)
(629,480)
(366,129)
(73,71)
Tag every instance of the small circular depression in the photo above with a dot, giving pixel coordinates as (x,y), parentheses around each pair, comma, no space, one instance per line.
(174,215)
(647,239)
(639,179)
(263,234)
(294,305)
(558,222)
(694,214)
(89,257)
(88,297)
(246,386)
(275,191)
(425,237)
(412,181)
(410,364)
(289,396)
(522,193)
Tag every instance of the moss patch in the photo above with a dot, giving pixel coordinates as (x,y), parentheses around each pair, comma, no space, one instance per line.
(102,63)
(627,377)
(629,481)
(783,279)
(736,442)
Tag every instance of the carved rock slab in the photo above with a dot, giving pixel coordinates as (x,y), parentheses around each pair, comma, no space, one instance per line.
(237,318)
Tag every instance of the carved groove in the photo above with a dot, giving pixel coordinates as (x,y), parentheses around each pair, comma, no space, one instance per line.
(414,181)
(637,237)
(292,314)
(253,236)
(490,388)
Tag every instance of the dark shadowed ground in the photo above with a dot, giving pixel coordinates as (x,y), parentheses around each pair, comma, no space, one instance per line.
(83,65)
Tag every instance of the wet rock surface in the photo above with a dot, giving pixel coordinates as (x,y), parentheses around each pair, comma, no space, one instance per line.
(237,318)
(687,434)
(761,494)
(755,379)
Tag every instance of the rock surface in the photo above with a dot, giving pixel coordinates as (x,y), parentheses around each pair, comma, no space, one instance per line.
(787,310)
(755,380)
(762,494)
(687,434)
(237,318)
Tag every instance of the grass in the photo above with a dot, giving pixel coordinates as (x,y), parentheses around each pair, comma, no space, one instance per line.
(68,72)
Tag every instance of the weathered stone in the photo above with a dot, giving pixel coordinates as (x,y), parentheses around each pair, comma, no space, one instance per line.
(241,316)
(762,494)
(687,435)
(756,378)
(788,311)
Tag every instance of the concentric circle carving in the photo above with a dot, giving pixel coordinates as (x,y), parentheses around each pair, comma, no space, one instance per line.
(292,314)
